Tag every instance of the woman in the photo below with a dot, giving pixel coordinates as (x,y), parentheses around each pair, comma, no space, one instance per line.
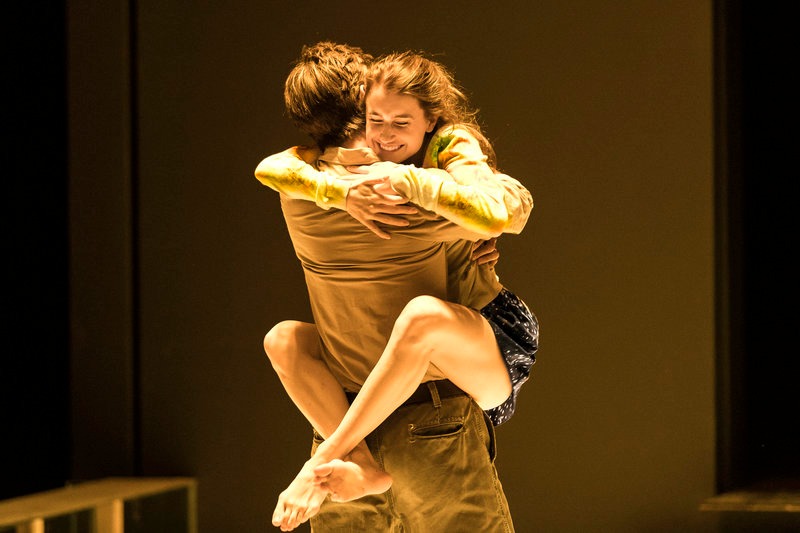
(413,103)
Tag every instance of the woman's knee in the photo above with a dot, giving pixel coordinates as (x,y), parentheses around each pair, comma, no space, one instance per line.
(280,341)
(423,314)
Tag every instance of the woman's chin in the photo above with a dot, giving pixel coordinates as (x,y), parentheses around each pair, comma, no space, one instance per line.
(394,157)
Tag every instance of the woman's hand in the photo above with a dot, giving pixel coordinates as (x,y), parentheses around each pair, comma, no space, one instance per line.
(373,200)
(485,252)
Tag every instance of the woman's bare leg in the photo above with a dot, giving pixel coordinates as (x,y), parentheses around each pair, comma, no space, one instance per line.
(455,339)
(294,351)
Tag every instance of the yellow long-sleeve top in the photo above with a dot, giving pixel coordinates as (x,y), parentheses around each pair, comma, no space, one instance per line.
(455,182)
(359,283)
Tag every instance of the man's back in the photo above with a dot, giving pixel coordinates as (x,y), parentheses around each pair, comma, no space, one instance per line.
(359,283)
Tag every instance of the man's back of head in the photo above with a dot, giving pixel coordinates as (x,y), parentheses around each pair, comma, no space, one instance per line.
(323,92)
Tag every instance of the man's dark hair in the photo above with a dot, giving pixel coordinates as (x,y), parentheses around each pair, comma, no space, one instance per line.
(323,92)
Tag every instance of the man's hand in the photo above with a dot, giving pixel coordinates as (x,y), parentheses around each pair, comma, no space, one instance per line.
(373,200)
(485,252)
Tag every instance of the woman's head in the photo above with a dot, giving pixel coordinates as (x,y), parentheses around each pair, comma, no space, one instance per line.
(323,92)
(396,124)
(414,83)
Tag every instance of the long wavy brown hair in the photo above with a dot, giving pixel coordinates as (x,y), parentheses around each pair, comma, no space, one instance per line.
(433,85)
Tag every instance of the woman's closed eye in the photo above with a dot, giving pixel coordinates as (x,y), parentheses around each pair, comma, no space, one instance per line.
(396,124)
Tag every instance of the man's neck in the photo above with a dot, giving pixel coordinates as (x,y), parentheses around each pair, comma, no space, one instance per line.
(359,141)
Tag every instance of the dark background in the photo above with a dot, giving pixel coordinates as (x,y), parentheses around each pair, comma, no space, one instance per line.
(147,262)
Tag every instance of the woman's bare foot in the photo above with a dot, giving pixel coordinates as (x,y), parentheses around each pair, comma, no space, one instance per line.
(300,500)
(349,480)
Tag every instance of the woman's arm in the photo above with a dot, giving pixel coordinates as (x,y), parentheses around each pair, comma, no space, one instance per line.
(292,173)
(459,185)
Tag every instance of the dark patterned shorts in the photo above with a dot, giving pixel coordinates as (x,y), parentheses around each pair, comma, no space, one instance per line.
(517,332)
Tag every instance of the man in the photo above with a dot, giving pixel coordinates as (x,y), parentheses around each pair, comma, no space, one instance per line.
(358,287)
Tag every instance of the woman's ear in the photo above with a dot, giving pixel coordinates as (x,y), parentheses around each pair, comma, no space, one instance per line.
(362,92)
(431,124)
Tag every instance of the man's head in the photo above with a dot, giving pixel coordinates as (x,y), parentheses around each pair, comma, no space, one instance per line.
(323,92)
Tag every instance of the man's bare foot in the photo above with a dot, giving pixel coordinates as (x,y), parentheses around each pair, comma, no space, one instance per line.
(348,480)
(300,500)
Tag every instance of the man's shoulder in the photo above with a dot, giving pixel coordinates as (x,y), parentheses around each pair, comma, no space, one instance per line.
(338,156)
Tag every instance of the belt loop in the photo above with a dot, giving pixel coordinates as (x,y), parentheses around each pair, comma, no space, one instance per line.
(437,401)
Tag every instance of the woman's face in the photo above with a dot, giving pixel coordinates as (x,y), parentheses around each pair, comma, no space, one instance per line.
(396,125)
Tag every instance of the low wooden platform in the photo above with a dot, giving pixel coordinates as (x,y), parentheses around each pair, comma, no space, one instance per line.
(105,497)
(754,501)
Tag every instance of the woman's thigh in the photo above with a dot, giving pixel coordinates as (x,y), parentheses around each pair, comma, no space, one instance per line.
(462,345)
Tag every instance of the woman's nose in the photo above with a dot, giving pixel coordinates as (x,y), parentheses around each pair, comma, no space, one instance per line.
(386,131)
